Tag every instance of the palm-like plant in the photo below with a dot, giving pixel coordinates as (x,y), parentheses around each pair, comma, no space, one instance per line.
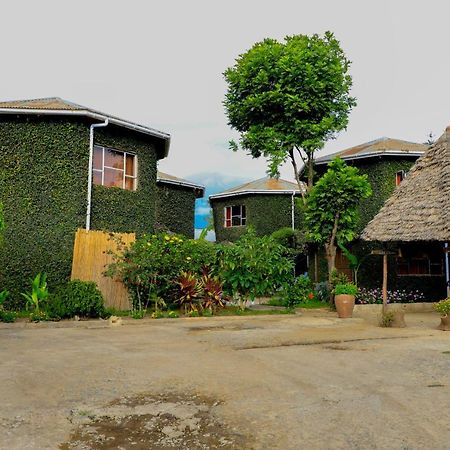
(190,291)
(212,292)
(39,291)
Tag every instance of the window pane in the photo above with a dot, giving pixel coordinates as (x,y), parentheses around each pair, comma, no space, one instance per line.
(244,212)
(96,177)
(236,210)
(228,223)
(113,159)
(130,165)
(98,158)
(113,178)
(236,221)
(243,221)
(129,183)
(228,213)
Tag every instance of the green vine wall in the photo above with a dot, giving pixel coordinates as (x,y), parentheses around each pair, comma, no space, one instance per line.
(175,206)
(265,212)
(43,187)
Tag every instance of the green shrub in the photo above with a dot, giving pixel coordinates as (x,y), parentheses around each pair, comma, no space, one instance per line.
(39,292)
(387,319)
(77,298)
(253,266)
(7,316)
(345,289)
(443,307)
(151,265)
(322,291)
(299,291)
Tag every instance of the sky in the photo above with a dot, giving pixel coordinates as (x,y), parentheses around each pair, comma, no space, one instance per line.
(161,63)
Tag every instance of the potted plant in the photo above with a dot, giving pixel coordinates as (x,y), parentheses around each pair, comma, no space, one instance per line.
(443,308)
(344,299)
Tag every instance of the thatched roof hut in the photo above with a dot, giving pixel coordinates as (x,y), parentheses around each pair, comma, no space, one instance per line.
(419,208)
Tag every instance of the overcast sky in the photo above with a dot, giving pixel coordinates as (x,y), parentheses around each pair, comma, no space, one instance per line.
(160,63)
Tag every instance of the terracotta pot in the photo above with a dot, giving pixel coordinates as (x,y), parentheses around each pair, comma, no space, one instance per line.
(445,323)
(344,305)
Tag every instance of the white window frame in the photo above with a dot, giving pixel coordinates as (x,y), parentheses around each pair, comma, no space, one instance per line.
(242,218)
(125,176)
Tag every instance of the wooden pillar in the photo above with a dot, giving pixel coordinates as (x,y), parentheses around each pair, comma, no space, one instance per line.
(385,279)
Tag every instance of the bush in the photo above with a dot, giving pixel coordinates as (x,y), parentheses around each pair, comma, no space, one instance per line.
(7,316)
(443,307)
(151,265)
(345,289)
(322,292)
(77,298)
(254,266)
(299,291)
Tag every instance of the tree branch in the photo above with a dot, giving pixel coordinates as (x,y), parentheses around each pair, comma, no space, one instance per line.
(296,172)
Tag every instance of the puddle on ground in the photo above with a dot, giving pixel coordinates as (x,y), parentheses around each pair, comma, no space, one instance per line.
(153,422)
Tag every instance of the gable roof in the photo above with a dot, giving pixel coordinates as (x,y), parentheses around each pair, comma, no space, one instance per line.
(419,209)
(58,107)
(165,178)
(264,185)
(380,147)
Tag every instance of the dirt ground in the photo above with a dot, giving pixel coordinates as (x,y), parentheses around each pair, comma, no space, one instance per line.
(308,381)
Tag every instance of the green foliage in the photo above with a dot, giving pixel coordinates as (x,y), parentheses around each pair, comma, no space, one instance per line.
(345,289)
(3,296)
(338,278)
(253,266)
(2,222)
(333,202)
(300,290)
(292,239)
(265,213)
(39,292)
(443,307)
(40,316)
(77,298)
(150,266)
(43,188)
(288,95)
(387,318)
(7,316)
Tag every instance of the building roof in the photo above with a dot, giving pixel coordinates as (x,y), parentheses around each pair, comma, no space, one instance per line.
(265,185)
(165,178)
(379,147)
(419,209)
(58,107)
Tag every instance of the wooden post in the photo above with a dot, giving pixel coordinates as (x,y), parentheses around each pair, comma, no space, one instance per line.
(385,277)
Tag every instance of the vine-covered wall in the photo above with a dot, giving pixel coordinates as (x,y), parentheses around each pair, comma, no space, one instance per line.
(265,212)
(175,207)
(43,187)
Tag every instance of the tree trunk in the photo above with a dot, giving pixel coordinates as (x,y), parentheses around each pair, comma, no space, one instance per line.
(310,172)
(330,251)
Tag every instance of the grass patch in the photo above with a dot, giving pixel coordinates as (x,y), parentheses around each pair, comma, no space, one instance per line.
(309,304)
(447,352)
(236,311)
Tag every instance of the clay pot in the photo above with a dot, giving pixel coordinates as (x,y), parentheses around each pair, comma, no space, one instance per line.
(445,323)
(344,305)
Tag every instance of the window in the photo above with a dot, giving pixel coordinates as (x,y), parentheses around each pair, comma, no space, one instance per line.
(399,176)
(114,168)
(417,262)
(235,216)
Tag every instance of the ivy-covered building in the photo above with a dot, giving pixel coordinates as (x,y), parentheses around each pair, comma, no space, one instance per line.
(175,204)
(266,204)
(64,166)
(387,163)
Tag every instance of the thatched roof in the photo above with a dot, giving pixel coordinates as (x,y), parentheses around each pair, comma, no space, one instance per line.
(419,208)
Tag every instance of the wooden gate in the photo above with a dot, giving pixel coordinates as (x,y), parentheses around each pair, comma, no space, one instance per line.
(90,258)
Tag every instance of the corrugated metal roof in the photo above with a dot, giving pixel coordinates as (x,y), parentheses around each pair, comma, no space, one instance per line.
(264,185)
(172,179)
(57,106)
(382,146)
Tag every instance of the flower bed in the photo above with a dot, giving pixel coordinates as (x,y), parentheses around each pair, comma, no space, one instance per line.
(375,296)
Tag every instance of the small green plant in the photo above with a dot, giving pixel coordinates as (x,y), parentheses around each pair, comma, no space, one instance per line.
(300,290)
(138,313)
(193,313)
(345,289)
(172,315)
(7,316)
(40,316)
(77,298)
(207,313)
(443,307)
(39,292)
(3,296)
(157,315)
(386,319)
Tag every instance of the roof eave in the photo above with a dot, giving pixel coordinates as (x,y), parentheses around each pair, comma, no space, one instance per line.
(196,187)
(368,155)
(249,192)
(96,116)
